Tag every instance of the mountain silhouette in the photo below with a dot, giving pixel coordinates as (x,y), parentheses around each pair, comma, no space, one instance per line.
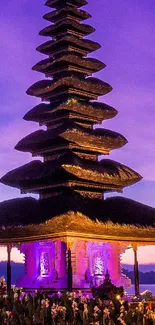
(148,270)
(142,267)
(17,269)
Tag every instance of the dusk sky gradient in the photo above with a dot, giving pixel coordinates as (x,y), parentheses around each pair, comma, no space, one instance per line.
(126,32)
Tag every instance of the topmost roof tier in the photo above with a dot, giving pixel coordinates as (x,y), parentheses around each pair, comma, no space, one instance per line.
(57,4)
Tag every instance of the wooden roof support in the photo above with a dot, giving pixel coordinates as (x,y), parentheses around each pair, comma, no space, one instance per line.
(136,271)
(8,269)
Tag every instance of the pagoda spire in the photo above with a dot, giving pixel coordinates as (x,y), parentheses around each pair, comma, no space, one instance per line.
(69,109)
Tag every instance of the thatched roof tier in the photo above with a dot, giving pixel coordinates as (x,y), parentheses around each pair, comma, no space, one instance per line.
(57,4)
(67,26)
(60,146)
(72,215)
(68,63)
(67,12)
(68,44)
(92,111)
(89,88)
(98,140)
(70,170)
(64,116)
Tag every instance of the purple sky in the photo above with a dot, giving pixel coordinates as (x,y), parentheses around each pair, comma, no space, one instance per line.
(126,31)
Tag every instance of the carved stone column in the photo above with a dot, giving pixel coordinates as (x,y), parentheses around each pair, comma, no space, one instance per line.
(124,280)
(113,262)
(79,264)
(60,264)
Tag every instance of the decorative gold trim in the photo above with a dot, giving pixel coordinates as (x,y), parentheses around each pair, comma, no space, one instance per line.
(70,236)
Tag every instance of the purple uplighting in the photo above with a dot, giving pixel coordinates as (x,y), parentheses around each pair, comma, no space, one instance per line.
(46,265)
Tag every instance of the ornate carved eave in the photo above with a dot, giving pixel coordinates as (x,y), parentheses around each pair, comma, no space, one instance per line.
(75,225)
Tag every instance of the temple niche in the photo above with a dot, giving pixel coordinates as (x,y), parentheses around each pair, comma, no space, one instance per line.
(105,257)
(45,265)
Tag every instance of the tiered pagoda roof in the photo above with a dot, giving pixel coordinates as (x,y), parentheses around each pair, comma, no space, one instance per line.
(70,145)
(70,108)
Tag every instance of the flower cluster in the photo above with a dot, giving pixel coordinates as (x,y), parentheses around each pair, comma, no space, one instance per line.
(71,309)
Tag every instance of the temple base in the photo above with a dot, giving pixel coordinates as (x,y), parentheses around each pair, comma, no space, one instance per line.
(46,265)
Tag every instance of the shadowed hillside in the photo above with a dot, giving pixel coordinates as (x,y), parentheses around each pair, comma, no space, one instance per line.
(147,272)
(144,277)
(142,267)
(17,270)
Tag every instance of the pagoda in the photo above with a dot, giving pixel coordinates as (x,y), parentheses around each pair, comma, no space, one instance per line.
(71,218)
(70,146)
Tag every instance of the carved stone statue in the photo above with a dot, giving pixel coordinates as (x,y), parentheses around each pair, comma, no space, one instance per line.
(107,290)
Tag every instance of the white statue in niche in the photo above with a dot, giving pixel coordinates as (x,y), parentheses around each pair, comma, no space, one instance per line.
(98,270)
(44,264)
(98,265)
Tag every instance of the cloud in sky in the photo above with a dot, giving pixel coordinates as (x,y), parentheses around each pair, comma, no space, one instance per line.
(128,256)
(15,255)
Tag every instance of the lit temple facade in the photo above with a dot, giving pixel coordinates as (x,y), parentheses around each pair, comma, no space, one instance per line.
(45,263)
(71,236)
